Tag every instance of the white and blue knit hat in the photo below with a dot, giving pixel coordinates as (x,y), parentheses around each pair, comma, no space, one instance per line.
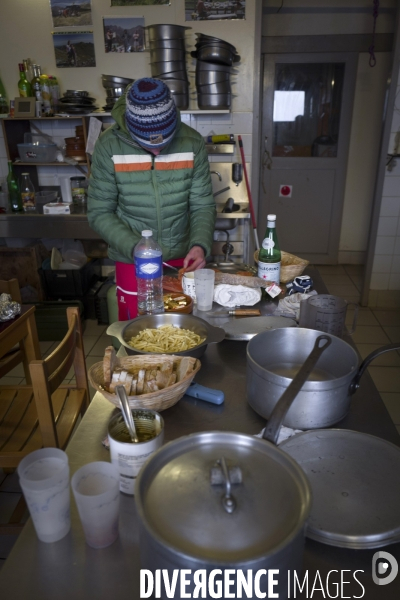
(151,115)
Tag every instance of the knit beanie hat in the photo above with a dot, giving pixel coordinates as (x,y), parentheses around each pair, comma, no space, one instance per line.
(150,115)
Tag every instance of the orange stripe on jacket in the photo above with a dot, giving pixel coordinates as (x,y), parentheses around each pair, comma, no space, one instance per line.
(132,167)
(171,166)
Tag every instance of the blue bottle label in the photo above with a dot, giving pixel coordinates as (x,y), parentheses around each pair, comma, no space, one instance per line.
(148,268)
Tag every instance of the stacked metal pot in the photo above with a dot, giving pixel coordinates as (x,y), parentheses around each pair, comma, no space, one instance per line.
(115,87)
(168,60)
(214,60)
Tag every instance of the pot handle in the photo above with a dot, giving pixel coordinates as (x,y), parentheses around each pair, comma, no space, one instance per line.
(115,329)
(355,384)
(271,431)
(227,477)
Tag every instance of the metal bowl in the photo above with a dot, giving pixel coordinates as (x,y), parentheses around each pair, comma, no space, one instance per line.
(125,330)
(181,100)
(167,66)
(202,65)
(114,92)
(79,93)
(178,86)
(181,75)
(176,44)
(166,54)
(208,39)
(166,32)
(222,87)
(210,77)
(210,101)
(216,54)
(115,81)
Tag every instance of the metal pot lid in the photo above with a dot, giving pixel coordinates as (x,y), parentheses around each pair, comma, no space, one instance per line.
(245,329)
(356,494)
(180,507)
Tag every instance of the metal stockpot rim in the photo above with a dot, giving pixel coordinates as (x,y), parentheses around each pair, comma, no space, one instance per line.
(193,447)
(310,386)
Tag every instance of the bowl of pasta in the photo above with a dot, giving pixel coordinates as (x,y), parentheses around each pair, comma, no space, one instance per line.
(167,333)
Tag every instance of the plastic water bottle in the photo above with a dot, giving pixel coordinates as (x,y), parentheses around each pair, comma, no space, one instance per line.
(148,263)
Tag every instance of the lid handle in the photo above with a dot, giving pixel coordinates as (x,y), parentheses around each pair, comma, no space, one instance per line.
(223,475)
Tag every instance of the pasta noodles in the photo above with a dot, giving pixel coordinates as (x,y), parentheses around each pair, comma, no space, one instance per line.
(166,338)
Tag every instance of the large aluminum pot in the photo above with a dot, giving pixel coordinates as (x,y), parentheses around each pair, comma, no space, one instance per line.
(190,517)
(125,330)
(273,359)
(166,54)
(166,32)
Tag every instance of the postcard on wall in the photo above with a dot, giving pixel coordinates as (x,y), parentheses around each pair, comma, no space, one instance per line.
(203,10)
(124,34)
(74,49)
(139,2)
(71,13)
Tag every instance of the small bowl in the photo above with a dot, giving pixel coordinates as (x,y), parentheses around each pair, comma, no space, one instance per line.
(187,309)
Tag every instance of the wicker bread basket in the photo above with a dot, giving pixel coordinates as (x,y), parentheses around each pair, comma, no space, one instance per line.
(159,400)
(292,266)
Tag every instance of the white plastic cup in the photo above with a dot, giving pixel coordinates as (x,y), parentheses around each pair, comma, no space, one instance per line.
(204,281)
(65,185)
(44,479)
(96,492)
(127,456)
(189,286)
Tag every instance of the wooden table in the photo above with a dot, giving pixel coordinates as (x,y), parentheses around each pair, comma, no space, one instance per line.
(21,330)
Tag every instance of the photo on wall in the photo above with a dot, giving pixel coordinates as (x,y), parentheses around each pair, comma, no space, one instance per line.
(74,49)
(139,2)
(123,34)
(208,10)
(73,13)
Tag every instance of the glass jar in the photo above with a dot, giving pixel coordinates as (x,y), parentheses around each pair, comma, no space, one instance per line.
(78,191)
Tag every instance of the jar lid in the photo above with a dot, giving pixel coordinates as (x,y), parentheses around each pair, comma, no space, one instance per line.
(182,498)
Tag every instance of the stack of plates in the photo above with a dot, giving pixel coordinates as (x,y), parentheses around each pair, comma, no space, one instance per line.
(77,102)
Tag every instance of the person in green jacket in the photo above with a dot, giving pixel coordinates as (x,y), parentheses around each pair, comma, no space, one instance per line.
(150,171)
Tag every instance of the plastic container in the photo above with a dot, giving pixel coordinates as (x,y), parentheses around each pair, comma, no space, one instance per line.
(78,190)
(75,257)
(36,153)
(148,262)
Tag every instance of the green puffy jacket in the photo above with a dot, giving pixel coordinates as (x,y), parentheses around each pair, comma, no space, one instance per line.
(131,190)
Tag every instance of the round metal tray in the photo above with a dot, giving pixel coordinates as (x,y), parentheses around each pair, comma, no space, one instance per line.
(355,487)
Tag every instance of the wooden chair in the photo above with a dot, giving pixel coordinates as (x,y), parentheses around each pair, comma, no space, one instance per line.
(45,413)
(12,359)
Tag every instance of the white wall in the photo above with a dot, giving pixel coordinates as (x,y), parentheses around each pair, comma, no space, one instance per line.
(386,265)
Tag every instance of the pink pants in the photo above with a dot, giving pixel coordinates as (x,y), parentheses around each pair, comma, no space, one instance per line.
(125,277)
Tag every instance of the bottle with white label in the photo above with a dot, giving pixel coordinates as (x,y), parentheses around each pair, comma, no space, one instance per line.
(148,264)
(269,257)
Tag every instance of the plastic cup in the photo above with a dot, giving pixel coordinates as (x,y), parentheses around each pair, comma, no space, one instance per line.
(127,456)
(204,282)
(96,491)
(189,286)
(44,479)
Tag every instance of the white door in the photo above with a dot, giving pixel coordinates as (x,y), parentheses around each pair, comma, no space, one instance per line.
(307,108)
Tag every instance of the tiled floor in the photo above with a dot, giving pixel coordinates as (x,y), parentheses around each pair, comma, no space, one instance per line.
(375,327)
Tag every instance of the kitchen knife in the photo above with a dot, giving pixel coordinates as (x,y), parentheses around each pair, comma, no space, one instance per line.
(204,393)
(235,312)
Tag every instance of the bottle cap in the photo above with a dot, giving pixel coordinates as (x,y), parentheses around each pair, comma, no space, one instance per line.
(271,217)
(147,233)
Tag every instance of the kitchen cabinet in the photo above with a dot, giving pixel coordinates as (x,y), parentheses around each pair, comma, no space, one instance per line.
(14,130)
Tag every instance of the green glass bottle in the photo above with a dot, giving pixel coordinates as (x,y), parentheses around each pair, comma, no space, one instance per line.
(24,87)
(35,83)
(13,190)
(269,257)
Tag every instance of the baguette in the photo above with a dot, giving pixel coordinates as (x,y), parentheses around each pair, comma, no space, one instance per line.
(110,362)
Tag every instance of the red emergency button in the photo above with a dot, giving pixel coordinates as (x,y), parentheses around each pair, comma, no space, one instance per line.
(285,191)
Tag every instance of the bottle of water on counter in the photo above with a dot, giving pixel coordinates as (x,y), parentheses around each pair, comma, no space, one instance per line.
(148,263)
(269,257)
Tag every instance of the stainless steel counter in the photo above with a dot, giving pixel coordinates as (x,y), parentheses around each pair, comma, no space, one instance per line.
(69,569)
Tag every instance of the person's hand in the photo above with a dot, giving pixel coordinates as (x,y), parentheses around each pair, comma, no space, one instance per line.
(194,259)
